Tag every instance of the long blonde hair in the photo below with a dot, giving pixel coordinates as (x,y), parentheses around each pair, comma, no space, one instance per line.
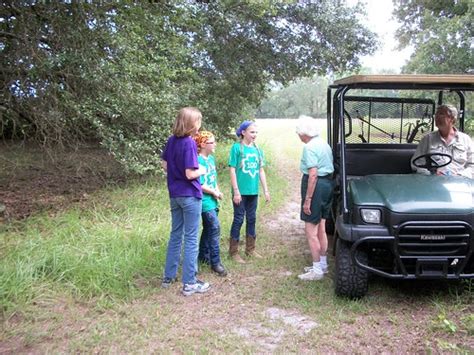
(186,121)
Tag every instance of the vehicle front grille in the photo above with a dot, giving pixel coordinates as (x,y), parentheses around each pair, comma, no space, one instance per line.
(420,239)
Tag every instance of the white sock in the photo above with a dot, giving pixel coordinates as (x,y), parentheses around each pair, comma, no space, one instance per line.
(317,266)
(324,260)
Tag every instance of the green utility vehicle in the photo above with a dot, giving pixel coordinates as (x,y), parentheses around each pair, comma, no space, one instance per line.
(388,220)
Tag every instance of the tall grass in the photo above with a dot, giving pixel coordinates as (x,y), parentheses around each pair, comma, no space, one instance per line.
(109,248)
(97,250)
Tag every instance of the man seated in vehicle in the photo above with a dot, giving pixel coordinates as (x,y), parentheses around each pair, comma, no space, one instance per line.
(447,140)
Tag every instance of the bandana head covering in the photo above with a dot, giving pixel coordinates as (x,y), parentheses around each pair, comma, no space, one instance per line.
(243,126)
(202,137)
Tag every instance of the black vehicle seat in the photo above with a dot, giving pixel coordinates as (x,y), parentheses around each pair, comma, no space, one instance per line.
(366,159)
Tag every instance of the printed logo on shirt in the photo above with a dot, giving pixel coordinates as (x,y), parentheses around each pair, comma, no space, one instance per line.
(209,179)
(250,165)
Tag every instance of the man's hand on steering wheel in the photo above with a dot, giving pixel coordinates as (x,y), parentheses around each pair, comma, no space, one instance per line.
(430,163)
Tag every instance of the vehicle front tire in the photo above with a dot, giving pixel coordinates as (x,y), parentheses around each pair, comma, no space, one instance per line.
(350,280)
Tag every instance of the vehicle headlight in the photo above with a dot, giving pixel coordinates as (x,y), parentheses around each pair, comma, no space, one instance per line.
(370,215)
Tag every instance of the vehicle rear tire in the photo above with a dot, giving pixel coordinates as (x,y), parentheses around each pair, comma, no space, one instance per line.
(350,280)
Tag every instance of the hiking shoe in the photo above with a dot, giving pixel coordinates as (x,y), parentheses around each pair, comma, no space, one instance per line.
(167,281)
(219,270)
(325,269)
(198,287)
(312,275)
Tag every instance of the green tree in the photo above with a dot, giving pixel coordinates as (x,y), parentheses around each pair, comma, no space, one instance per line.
(139,89)
(117,72)
(441,33)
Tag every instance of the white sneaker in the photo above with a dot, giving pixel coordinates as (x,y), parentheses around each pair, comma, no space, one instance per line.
(325,269)
(312,275)
(198,287)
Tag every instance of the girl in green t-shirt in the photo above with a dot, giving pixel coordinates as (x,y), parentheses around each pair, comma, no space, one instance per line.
(209,250)
(246,164)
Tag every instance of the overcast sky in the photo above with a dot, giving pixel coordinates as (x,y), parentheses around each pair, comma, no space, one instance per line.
(380,21)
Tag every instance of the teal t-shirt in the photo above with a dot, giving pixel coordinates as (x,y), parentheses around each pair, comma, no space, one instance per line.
(317,154)
(209,179)
(247,161)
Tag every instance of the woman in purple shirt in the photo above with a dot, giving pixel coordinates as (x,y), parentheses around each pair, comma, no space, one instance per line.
(180,161)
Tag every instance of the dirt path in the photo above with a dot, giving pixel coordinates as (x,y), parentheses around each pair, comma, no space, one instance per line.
(237,314)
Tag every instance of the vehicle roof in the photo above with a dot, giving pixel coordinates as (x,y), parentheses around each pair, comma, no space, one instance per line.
(408,81)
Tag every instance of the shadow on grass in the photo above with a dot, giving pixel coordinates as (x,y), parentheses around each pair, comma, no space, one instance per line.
(411,290)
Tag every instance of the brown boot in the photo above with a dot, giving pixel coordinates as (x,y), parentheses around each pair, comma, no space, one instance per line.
(250,248)
(234,251)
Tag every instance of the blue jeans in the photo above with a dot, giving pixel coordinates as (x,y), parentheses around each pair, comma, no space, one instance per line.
(185,216)
(248,209)
(211,232)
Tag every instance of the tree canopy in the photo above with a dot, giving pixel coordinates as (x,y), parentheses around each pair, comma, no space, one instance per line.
(117,72)
(441,33)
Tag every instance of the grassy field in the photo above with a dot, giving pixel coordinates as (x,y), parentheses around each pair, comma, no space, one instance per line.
(105,249)
(87,279)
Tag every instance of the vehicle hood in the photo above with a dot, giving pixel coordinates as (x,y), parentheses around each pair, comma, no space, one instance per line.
(415,193)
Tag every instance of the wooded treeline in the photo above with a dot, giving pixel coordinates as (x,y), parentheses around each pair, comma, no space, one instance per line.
(116,72)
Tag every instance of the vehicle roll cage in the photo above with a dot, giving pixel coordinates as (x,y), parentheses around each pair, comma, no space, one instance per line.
(336,107)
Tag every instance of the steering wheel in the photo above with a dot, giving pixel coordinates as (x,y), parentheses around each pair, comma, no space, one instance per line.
(431,164)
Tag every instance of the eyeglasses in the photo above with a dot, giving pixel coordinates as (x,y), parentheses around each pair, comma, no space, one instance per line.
(210,142)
